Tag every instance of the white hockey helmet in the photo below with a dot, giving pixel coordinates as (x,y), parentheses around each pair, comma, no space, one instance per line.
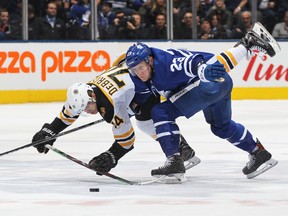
(78,97)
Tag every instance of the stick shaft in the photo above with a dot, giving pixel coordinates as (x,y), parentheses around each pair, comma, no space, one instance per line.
(87,166)
(53,137)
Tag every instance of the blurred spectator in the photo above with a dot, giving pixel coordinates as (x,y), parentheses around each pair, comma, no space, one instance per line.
(206,5)
(282,7)
(281,29)
(10,5)
(135,29)
(235,7)
(127,27)
(176,12)
(63,9)
(32,23)
(268,11)
(245,25)
(116,29)
(224,16)
(39,7)
(207,32)
(157,6)
(135,4)
(4,26)
(9,29)
(122,5)
(201,14)
(217,29)
(105,19)
(15,21)
(50,27)
(145,11)
(159,30)
(184,31)
(79,21)
(186,5)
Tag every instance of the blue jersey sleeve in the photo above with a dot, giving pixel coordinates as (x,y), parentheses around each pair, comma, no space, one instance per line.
(176,67)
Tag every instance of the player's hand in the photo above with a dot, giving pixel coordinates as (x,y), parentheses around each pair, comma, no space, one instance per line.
(46,131)
(211,72)
(103,162)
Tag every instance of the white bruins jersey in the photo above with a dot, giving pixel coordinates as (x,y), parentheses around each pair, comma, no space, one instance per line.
(114,92)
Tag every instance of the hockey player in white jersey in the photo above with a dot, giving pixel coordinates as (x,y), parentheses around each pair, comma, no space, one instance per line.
(112,95)
(195,81)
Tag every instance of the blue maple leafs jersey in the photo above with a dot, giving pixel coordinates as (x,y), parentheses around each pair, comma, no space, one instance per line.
(173,70)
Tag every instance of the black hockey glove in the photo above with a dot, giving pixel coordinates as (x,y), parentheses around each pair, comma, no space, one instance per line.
(211,72)
(135,108)
(47,131)
(108,159)
(103,162)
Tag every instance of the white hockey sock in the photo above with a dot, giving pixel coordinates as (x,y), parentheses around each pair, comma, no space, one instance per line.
(230,58)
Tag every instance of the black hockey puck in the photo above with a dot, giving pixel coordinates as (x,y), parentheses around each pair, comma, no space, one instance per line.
(94,190)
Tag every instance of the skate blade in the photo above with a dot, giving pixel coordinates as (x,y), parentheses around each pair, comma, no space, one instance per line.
(158,179)
(171,179)
(263,168)
(191,162)
(265,35)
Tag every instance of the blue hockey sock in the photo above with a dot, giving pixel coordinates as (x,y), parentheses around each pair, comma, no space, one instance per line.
(168,135)
(238,135)
(242,139)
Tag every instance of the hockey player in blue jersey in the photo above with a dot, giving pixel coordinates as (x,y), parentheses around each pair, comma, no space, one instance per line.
(195,81)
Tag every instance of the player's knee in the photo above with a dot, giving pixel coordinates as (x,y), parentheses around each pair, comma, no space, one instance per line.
(165,111)
(158,113)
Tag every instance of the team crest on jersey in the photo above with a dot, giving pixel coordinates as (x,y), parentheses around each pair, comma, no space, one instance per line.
(102,111)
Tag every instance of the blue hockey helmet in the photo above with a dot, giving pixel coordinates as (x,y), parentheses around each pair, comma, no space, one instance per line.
(136,54)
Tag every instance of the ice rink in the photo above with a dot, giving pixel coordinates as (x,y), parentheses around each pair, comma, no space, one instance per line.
(33,184)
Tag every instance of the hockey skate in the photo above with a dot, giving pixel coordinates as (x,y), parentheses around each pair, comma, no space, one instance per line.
(260,161)
(260,41)
(173,169)
(188,154)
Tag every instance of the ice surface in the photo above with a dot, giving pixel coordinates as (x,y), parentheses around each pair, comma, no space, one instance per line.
(33,184)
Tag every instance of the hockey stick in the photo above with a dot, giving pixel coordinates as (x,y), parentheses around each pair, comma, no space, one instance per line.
(53,137)
(103,173)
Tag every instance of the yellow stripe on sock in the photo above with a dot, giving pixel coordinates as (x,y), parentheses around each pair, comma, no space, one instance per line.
(223,61)
(231,56)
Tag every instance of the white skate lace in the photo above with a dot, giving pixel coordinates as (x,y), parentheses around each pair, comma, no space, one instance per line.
(167,163)
(260,49)
(251,161)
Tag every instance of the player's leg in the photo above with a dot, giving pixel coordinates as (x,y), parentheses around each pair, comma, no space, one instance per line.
(168,135)
(219,117)
(145,123)
(260,40)
(257,41)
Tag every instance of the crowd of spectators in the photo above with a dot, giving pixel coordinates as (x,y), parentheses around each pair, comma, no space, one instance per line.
(140,19)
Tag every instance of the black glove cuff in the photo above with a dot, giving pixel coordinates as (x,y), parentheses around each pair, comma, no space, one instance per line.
(118,151)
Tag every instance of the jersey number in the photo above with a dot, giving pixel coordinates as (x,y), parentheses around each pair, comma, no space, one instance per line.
(117,121)
(112,75)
